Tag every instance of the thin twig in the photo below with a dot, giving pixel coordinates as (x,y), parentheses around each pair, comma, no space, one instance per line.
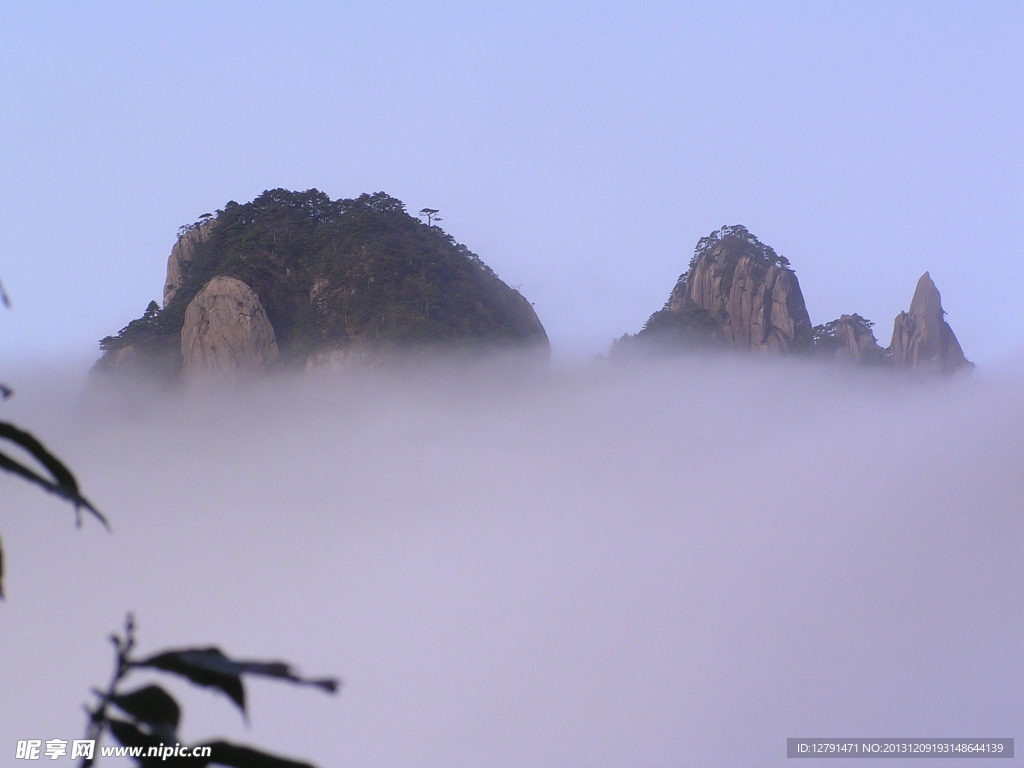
(98,717)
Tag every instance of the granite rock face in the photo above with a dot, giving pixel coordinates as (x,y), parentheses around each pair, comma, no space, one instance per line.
(922,340)
(855,340)
(757,305)
(182,254)
(226,331)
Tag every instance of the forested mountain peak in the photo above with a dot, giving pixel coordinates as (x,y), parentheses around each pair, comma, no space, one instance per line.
(330,276)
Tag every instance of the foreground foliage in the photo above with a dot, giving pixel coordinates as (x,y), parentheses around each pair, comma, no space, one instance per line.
(149,716)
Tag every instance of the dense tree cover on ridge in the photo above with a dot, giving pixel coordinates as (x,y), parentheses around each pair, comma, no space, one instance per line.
(747,242)
(667,330)
(824,335)
(335,272)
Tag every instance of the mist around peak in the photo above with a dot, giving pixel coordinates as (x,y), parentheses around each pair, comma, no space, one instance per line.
(656,563)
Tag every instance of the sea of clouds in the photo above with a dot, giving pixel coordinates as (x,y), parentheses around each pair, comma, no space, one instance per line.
(659,563)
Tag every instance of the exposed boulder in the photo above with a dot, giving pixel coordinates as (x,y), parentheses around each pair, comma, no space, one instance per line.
(183,252)
(922,339)
(226,331)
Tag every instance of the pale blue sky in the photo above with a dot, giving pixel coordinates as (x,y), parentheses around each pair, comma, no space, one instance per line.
(580,148)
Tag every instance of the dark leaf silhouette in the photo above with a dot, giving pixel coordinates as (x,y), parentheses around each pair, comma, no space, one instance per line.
(154,707)
(210,667)
(283,671)
(203,666)
(61,482)
(155,715)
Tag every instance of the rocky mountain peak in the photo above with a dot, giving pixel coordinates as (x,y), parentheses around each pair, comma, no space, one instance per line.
(921,337)
(738,293)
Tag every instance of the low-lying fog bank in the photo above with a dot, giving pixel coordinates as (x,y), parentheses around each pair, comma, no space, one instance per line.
(661,564)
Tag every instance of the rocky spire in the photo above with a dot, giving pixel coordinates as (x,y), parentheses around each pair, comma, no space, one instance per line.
(922,339)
